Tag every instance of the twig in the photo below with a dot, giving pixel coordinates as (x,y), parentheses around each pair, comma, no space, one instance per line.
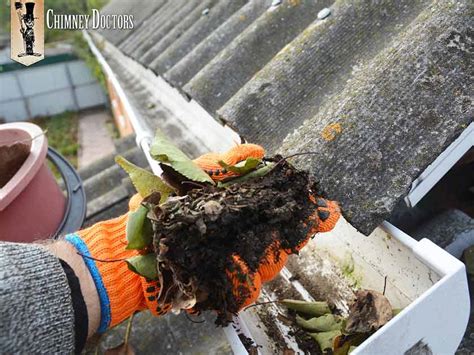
(295,155)
(194,321)
(260,304)
(26,139)
(100,260)
(129,329)
(384,285)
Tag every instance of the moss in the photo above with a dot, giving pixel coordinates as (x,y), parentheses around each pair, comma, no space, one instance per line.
(348,271)
(82,50)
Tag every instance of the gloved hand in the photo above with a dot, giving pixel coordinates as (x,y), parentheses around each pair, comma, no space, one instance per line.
(123,292)
(324,218)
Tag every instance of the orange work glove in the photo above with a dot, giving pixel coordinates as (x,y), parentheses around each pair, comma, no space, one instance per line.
(121,291)
(324,218)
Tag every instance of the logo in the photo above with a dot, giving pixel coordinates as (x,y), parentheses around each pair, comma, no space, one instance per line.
(27,31)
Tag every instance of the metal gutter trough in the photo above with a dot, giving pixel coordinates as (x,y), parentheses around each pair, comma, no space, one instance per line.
(418,277)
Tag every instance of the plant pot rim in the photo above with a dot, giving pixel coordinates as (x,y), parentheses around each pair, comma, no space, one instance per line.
(32,164)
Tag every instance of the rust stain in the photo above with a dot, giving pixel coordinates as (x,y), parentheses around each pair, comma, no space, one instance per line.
(294,2)
(331,131)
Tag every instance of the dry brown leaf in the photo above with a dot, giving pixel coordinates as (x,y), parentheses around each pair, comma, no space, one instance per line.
(370,311)
(344,343)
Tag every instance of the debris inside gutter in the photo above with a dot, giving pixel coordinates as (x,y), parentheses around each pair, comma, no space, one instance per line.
(249,344)
(320,327)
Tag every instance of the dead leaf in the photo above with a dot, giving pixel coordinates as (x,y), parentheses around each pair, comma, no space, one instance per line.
(212,209)
(12,158)
(315,309)
(323,323)
(344,343)
(177,181)
(122,349)
(325,340)
(370,311)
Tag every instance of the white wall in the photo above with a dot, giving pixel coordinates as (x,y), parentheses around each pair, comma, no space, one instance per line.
(48,90)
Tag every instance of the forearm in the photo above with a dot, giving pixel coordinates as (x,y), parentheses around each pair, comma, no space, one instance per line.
(65,251)
(36,312)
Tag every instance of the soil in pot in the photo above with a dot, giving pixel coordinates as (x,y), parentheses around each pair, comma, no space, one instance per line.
(12,158)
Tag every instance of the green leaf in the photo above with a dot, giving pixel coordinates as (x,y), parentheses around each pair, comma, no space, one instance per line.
(166,153)
(242,167)
(139,229)
(144,265)
(325,339)
(395,311)
(264,170)
(323,323)
(145,182)
(310,308)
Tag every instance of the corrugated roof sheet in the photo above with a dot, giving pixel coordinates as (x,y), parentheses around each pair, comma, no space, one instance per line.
(377,89)
(156,27)
(141,12)
(194,61)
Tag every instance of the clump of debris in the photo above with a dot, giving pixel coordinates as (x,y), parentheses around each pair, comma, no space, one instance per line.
(201,233)
(197,235)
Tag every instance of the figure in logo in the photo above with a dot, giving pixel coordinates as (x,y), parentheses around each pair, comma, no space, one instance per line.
(27,22)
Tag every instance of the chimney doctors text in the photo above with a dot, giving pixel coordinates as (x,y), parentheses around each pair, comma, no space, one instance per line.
(84,22)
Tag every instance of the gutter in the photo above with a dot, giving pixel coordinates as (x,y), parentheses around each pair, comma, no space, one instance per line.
(143,136)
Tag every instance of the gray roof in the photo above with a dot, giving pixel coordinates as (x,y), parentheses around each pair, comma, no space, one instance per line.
(378,89)
(142,13)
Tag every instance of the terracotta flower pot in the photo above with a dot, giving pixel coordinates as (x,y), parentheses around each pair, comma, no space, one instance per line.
(31,203)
